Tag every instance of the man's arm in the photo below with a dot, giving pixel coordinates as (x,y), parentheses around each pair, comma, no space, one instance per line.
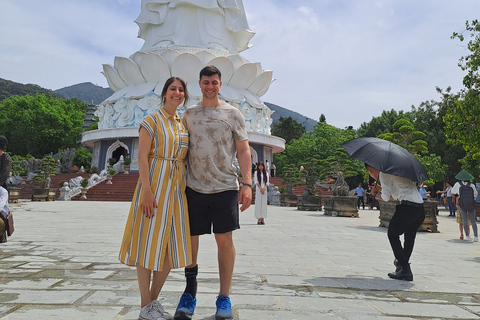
(245,163)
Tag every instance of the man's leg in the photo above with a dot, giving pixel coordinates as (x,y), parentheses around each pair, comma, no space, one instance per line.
(226,261)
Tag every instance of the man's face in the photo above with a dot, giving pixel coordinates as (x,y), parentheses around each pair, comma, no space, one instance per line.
(210,86)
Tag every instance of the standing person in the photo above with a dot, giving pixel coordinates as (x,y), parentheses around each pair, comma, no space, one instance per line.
(423,192)
(267,166)
(359,192)
(157,233)
(406,220)
(272,170)
(448,195)
(4,210)
(216,130)
(5,162)
(466,203)
(261,182)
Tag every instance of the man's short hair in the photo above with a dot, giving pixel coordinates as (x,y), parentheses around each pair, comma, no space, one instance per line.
(209,71)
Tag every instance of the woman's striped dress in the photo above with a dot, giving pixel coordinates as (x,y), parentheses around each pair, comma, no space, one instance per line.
(145,240)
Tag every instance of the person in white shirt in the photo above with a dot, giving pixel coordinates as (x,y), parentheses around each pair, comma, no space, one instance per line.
(406,220)
(4,210)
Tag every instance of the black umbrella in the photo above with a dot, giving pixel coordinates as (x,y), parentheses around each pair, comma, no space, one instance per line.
(387,157)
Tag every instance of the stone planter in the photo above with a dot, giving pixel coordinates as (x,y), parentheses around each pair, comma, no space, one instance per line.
(40,194)
(126,168)
(387,209)
(51,194)
(310,203)
(83,194)
(288,200)
(109,179)
(13,194)
(340,206)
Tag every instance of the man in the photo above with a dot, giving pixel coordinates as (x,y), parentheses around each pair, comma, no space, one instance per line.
(406,220)
(5,162)
(448,192)
(359,192)
(216,131)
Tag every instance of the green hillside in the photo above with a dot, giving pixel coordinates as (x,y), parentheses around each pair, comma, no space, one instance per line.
(9,88)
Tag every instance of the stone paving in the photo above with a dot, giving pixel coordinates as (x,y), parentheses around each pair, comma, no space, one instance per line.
(61,263)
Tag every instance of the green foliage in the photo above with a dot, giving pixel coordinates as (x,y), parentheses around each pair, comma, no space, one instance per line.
(111,171)
(311,174)
(291,177)
(405,135)
(47,168)
(82,157)
(112,161)
(471,63)
(17,168)
(434,167)
(40,125)
(288,129)
(382,124)
(94,169)
(84,183)
(340,161)
(127,161)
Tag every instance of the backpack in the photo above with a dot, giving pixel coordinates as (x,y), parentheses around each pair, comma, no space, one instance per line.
(467,198)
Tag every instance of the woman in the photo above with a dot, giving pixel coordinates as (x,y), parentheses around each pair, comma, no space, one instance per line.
(5,162)
(157,233)
(261,183)
(406,220)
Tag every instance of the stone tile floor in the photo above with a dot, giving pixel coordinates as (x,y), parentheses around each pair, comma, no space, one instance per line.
(61,263)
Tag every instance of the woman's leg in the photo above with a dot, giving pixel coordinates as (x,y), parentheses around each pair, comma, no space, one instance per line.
(464,215)
(471,215)
(143,278)
(159,278)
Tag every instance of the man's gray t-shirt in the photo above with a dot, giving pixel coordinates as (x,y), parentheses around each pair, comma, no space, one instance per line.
(211,152)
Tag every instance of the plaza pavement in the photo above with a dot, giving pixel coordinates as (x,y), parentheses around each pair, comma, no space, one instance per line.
(61,263)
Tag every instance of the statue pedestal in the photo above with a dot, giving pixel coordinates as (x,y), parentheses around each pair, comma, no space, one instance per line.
(340,206)
(387,209)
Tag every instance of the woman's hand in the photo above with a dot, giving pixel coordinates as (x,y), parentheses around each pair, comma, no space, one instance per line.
(149,203)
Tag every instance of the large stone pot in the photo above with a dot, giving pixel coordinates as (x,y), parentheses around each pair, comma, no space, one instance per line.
(40,194)
(13,194)
(340,206)
(310,203)
(387,209)
(288,200)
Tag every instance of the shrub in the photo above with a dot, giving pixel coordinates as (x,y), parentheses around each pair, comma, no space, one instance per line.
(84,183)
(112,161)
(127,161)
(111,171)
(94,169)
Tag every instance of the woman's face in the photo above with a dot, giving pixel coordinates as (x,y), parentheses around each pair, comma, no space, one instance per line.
(175,94)
(260,167)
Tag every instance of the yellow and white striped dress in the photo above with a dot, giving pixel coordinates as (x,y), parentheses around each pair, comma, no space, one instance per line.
(145,240)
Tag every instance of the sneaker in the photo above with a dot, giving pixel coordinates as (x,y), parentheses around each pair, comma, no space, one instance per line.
(185,308)
(159,308)
(468,238)
(150,312)
(475,239)
(224,308)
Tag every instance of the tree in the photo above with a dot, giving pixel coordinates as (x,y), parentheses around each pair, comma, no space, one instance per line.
(382,124)
(322,118)
(288,129)
(471,63)
(405,135)
(40,125)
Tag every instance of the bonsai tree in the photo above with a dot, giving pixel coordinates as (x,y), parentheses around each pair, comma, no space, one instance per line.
(291,177)
(47,168)
(311,174)
(84,183)
(339,166)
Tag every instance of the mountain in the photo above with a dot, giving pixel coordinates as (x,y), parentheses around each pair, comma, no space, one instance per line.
(285,113)
(87,92)
(9,88)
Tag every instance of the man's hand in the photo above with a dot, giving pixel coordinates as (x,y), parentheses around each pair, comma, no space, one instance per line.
(245,198)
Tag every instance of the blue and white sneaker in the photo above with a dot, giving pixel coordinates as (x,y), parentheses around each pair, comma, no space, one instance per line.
(224,308)
(185,308)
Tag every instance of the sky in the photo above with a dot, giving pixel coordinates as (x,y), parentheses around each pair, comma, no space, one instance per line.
(346,59)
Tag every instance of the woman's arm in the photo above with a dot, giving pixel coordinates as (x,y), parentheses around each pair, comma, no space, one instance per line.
(148,199)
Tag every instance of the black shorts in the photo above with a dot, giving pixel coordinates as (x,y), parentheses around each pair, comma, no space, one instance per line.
(217,209)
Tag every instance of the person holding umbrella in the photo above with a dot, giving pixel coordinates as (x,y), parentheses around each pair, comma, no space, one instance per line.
(397,170)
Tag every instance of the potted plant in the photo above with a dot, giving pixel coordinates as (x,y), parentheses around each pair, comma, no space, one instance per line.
(94,169)
(126,164)
(84,184)
(111,162)
(110,173)
(291,178)
(336,168)
(46,169)
(18,172)
(310,201)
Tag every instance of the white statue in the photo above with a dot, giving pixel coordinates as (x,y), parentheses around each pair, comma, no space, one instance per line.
(212,24)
